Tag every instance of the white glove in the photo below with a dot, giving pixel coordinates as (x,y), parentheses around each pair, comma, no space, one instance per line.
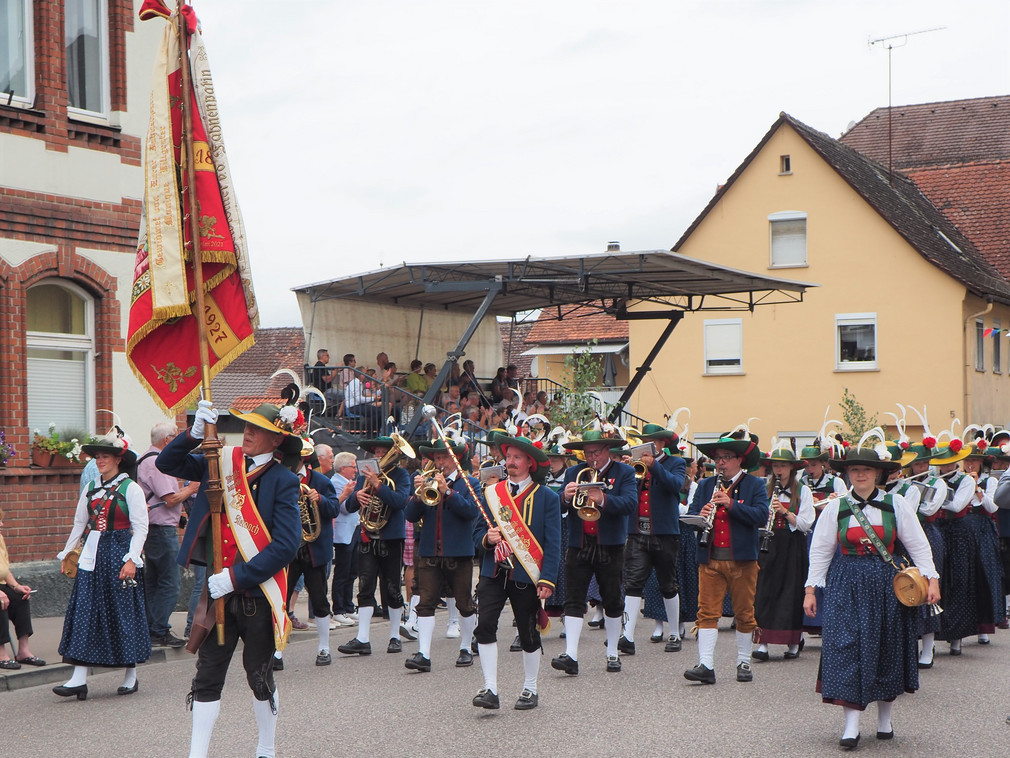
(220,585)
(205,414)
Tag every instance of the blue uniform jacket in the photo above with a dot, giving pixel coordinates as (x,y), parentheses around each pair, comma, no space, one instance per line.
(542,511)
(321,550)
(667,477)
(748,514)
(620,503)
(276,500)
(457,511)
(396,499)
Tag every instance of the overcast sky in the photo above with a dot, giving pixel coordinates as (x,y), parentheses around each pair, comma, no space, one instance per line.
(363,134)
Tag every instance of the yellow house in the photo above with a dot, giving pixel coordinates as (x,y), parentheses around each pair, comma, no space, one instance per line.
(901,315)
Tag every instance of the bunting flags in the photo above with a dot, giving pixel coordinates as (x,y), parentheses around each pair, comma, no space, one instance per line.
(163,342)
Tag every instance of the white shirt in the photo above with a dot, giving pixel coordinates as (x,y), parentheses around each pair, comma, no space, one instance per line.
(806,514)
(962,495)
(908,530)
(136,504)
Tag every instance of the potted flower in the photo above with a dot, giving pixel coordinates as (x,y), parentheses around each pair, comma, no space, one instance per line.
(56,449)
(6,449)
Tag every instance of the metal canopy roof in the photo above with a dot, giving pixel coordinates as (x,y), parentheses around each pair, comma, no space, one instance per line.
(668,279)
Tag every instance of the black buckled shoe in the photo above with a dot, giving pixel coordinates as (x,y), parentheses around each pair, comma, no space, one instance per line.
(564,663)
(625,645)
(673,645)
(760,655)
(128,690)
(656,638)
(418,662)
(527,701)
(278,664)
(80,691)
(486,699)
(886,735)
(465,658)
(613,664)
(744,673)
(394,646)
(323,658)
(700,673)
(355,647)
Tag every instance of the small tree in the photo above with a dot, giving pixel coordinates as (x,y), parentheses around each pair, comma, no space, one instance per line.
(574,408)
(854,416)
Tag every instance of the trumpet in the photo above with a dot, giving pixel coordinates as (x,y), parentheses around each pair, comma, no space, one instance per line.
(312,525)
(375,515)
(428,492)
(769,531)
(710,518)
(649,448)
(586,509)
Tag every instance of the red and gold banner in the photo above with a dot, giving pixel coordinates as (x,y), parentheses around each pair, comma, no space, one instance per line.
(514,529)
(163,340)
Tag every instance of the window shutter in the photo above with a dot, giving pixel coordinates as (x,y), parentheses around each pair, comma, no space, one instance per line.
(56,394)
(789,242)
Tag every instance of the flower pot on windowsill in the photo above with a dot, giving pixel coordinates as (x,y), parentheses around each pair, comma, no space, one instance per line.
(41,457)
(61,461)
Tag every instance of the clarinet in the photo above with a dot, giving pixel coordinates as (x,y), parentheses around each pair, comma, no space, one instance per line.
(710,519)
(769,531)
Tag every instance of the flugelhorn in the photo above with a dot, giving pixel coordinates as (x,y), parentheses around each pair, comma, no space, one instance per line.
(710,518)
(586,509)
(312,525)
(428,492)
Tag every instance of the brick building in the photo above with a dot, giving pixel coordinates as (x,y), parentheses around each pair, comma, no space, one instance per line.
(75,77)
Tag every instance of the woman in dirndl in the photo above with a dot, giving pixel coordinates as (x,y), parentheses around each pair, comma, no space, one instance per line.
(106,621)
(869,645)
(980,518)
(782,561)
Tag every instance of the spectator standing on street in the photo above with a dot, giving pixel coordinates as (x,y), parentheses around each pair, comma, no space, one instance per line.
(164,502)
(345,537)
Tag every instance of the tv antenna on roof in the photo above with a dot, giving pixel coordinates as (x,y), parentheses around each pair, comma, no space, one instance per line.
(890,43)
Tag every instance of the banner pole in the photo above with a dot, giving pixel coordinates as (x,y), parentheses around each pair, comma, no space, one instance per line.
(211,444)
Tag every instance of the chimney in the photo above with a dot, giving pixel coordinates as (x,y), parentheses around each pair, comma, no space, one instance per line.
(613,247)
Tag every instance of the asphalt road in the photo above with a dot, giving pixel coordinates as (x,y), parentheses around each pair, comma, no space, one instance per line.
(374,706)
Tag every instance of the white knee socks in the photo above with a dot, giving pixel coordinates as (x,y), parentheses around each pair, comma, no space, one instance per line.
(450,604)
(851,723)
(927,648)
(425,629)
(884,716)
(323,632)
(531,668)
(130,676)
(632,605)
(706,647)
(672,606)
(395,617)
(743,643)
(613,624)
(79,677)
(364,622)
(266,720)
(204,716)
(466,627)
(489,665)
(573,630)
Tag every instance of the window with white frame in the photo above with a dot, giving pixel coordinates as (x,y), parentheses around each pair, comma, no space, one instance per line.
(60,344)
(87,51)
(855,341)
(979,345)
(997,353)
(787,239)
(724,346)
(17,53)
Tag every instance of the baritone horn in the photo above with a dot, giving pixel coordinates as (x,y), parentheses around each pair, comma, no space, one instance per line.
(312,525)
(375,515)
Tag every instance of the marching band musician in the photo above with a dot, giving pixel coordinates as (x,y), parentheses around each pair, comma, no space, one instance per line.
(822,483)
(868,652)
(528,533)
(313,557)
(654,537)
(557,459)
(729,560)
(989,570)
(379,555)
(999,447)
(928,511)
(783,564)
(596,547)
(961,611)
(445,550)
(263,494)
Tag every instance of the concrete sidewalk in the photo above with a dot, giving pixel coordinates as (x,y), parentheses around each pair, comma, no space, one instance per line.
(45,643)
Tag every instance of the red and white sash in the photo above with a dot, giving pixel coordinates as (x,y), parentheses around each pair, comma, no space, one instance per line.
(252,536)
(514,529)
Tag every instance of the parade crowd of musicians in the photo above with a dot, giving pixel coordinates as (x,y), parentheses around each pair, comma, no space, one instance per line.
(856,543)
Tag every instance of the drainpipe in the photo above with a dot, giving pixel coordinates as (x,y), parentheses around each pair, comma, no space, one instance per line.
(969,324)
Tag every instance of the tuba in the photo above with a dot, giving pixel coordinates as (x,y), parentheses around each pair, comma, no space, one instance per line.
(375,515)
(584,507)
(312,525)
(428,492)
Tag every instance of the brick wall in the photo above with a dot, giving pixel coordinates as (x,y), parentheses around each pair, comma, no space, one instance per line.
(39,509)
